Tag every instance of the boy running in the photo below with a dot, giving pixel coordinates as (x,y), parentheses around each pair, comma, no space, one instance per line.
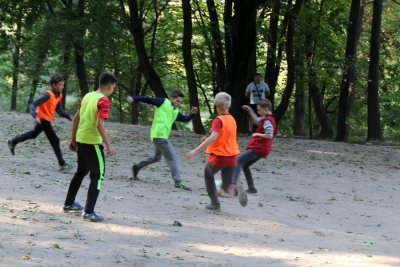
(42,111)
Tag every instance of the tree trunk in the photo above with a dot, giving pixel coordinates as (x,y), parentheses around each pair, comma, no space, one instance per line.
(348,85)
(80,69)
(16,58)
(136,29)
(281,109)
(326,128)
(188,62)
(243,34)
(270,76)
(374,124)
(218,49)
(299,110)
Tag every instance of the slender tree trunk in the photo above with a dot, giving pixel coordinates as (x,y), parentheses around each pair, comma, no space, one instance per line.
(66,73)
(281,109)
(136,29)
(16,58)
(80,69)
(374,124)
(299,110)
(348,85)
(270,76)
(228,35)
(218,49)
(188,62)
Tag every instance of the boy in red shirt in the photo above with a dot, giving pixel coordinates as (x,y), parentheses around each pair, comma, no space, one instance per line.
(260,143)
(222,149)
(42,111)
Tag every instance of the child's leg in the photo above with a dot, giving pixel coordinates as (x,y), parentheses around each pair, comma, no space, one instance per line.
(76,181)
(28,135)
(227,180)
(165,146)
(149,160)
(243,159)
(246,169)
(54,141)
(209,172)
(94,156)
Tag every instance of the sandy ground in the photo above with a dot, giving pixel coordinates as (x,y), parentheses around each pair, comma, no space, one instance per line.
(319,204)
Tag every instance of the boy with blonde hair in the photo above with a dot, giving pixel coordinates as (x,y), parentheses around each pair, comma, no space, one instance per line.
(222,149)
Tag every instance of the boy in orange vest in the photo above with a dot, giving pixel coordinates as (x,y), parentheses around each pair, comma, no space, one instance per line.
(260,143)
(222,149)
(42,111)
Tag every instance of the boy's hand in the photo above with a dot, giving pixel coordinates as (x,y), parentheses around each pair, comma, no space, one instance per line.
(247,108)
(194,110)
(110,151)
(190,155)
(130,99)
(71,118)
(72,145)
(37,120)
(203,138)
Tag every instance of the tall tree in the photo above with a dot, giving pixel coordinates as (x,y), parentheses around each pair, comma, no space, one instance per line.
(243,36)
(136,29)
(348,85)
(293,14)
(374,124)
(188,62)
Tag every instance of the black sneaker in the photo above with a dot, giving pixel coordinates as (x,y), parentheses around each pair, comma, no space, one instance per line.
(182,186)
(242,195)
(251,190)
(11,146)
(135,171)
(213,207)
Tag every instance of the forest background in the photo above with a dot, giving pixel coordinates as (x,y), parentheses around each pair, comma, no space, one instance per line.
(332,66)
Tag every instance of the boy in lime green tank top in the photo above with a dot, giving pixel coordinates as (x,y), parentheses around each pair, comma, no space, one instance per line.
(88,134)
(165,114)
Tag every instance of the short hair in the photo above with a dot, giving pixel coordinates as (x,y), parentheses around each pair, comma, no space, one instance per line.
(265,103)
(223,100)
(56,78)
(107,78)
(257,74)
(176,94)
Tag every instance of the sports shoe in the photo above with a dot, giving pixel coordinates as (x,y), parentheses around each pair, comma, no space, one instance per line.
(242,195)
(135,171)
(182,186)
(213,207)
(11,146)
(75,207)
(66,167)
(92,217)
(251,190)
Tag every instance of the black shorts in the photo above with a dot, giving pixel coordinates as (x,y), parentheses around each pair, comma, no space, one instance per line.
(254,108)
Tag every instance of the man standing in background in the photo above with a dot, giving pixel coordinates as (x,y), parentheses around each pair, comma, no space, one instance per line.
(256,91)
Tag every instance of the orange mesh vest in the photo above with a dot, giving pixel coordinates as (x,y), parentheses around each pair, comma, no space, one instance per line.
(225,144)
(46,110)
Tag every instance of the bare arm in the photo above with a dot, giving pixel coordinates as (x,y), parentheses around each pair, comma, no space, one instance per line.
(103,134)
(252,114)
(211,139)
(247,94)
(75,123)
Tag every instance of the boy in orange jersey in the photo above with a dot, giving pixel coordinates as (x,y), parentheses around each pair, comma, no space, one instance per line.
(222,149)
(42,111)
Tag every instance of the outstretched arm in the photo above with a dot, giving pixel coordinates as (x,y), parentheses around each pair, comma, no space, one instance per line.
(252,114)
(202,146)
